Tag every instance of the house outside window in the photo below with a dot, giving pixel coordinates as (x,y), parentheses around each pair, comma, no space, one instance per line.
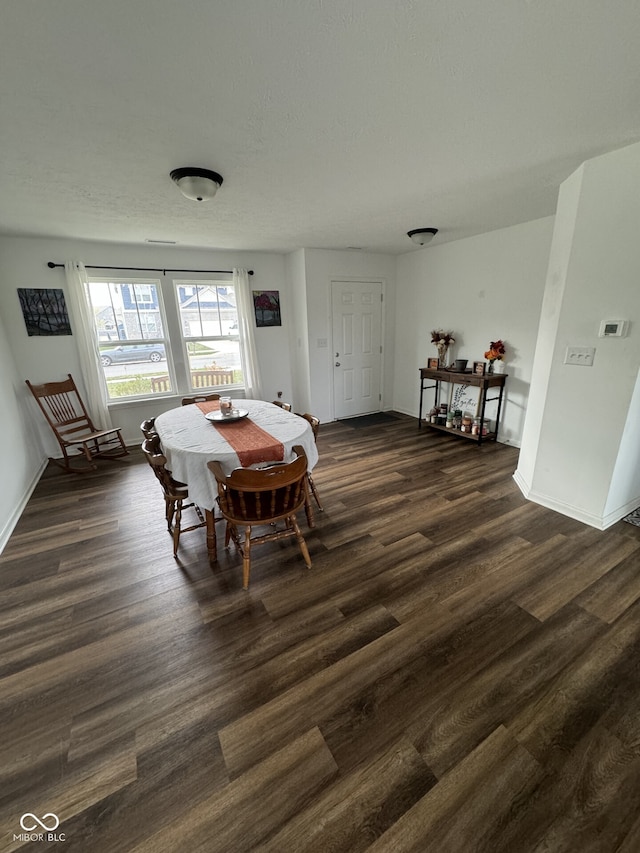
(209,326)
(135,352)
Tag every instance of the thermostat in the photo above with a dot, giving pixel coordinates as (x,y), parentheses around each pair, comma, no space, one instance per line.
(613,329)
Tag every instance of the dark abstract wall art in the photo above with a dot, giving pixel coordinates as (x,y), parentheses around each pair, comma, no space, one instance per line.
(266,304)
(44,311)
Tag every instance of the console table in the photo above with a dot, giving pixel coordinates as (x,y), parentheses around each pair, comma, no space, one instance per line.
(483,382)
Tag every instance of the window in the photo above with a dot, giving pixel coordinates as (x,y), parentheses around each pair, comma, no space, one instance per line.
(210,331)
(139,342)
(129,319)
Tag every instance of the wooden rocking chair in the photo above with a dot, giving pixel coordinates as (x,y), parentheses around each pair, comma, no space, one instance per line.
(74,430)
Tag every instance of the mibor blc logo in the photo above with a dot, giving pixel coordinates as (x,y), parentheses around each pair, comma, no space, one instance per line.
(39,828)
(29,822)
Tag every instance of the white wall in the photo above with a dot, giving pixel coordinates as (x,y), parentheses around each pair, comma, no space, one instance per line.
(322,266)
(20,452)
(563,231)
(580,458)
(624,492)
(482,288)
(298,340)
(23,264)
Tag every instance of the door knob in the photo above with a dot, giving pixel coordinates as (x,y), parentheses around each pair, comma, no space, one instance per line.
(337,364)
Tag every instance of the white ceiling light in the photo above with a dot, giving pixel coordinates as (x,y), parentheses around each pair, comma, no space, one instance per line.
(196,184)
(422,236)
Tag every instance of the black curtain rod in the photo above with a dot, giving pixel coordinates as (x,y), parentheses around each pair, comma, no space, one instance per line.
(52,266)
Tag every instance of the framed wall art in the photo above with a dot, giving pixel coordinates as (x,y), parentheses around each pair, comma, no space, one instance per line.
(266,305)
(465,397)
(44,311)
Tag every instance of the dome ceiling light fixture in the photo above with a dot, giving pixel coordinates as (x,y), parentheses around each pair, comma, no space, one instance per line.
(422,236)
(195,183)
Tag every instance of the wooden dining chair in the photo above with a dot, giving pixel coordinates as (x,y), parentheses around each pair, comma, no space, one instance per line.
(148,427)
(200,398)
(315,427)
(176,494)
(285,406)
(251,498)
(66,414)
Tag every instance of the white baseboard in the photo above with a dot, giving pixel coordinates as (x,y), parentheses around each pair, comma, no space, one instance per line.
(597,521)
(615,515)
(9,526)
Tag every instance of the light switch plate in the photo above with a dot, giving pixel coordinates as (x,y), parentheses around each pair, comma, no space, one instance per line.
(582,356)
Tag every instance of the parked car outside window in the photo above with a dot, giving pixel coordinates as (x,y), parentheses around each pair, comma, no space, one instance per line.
(132,352)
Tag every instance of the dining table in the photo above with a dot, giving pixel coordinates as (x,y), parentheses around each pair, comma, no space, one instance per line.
(255,434)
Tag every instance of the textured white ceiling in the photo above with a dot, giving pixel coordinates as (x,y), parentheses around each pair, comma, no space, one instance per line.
(334,123)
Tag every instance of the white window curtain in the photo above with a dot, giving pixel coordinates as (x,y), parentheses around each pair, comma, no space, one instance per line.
(87,343)
(248,353)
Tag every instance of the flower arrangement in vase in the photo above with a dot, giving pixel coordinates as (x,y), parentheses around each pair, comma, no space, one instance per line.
(443,341)
(496,352)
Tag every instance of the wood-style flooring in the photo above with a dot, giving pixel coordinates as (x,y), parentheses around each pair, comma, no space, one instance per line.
(458,671)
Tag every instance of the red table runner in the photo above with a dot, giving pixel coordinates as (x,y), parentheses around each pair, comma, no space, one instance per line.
(252,443)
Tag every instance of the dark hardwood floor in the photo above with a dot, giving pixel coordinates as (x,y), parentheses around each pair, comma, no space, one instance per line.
(458,671)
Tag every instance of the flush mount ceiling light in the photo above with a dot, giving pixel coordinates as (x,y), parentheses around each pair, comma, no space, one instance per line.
(422,236)
(197,184)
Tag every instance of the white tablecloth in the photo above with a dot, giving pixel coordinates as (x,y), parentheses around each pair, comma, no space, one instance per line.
(189,441)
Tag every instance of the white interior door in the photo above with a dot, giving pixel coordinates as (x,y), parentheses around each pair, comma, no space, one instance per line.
(357,338)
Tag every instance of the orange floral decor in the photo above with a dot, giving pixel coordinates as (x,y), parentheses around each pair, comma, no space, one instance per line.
(496,351)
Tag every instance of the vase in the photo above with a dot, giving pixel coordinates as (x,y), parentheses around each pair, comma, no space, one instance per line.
(442,354)
(498,367)
(490,367)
